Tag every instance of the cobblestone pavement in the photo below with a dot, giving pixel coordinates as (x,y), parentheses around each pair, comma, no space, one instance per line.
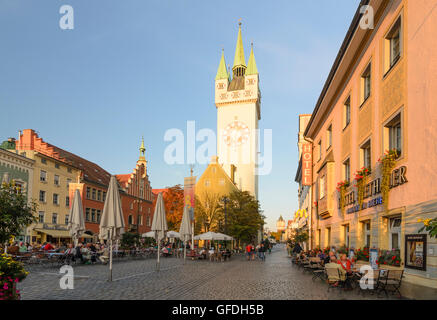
(276,278)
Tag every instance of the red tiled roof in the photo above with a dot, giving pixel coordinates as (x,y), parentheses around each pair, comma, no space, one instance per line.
(157,191)
(91,171)
(123,178)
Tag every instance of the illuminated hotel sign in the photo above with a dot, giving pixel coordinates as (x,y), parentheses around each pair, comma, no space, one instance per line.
(307,163)
(372,189)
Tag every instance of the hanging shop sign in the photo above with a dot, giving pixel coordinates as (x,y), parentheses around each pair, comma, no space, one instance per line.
(415,251)
(373,190)
(307,164)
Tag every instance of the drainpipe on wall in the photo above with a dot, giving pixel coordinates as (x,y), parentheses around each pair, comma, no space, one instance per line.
(311,196)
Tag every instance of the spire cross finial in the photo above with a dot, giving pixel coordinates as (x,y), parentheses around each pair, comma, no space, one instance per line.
(239,22)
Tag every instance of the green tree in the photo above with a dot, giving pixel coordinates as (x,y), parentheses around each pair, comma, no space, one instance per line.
(207,212)
(244,216)
(16,213)
(129,239)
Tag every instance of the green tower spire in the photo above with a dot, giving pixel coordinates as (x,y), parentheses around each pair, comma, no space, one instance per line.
(251,65)
(239,59)
(222,73)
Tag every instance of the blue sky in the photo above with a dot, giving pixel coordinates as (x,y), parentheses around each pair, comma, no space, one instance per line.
(137,68)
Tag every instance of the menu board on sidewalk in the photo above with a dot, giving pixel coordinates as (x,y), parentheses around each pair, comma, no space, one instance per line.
(373,255)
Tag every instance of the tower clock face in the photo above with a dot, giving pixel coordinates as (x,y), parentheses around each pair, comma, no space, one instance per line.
(236,134)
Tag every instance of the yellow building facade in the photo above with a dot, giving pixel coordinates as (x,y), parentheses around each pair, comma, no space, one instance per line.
(379,96)
(50,190)
(214,182)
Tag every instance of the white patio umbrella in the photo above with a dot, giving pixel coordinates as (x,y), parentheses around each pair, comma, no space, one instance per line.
(76,224)
(159,223)
(173,234)
(149,234)
(221,236)
(185,230)
(112,221)
(206,236)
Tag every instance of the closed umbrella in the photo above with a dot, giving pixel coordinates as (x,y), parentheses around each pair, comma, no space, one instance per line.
(159,223)
(185,230)
(112,221)
(76,224)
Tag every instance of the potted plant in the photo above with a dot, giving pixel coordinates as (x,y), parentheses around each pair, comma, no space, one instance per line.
(388,162)
(360,178)
(389,258)
(362,254)
(341,188)
(11,272)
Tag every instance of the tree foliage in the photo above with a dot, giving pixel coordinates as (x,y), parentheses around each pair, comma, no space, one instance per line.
(15,212)
(174,206)
(207,212)
(244,216)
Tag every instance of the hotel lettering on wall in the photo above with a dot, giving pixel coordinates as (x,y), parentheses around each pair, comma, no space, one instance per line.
(307,164)
(373,189)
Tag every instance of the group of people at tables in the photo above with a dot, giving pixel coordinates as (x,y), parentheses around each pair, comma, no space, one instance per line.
(84,253)
(332,259)
(203,253)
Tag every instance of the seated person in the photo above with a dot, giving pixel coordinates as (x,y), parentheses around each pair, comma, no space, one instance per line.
(86,254)
(345,263)
(104,254)
(22,248)
(335,265)
(203,253)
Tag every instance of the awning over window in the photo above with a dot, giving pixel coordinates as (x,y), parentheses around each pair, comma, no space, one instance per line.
(60,233)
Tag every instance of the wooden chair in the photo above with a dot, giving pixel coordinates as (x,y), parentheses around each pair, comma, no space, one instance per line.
(335,279)
(392,279)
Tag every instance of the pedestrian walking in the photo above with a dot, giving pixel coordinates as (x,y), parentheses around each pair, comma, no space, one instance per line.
(261,252)
(248,251)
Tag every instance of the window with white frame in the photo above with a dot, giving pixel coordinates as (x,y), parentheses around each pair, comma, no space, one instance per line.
(55,218)
(366,233)
(393,130)
(366,155)
(42,196)
(347,112)
(43,176)
(329,137)
(322,187)
(346,235)
(366,83)
(395,232)
(393,45)
(347,170)
(41,217)
(56,199)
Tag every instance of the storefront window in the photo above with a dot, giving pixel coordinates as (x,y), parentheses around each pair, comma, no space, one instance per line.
(395,233)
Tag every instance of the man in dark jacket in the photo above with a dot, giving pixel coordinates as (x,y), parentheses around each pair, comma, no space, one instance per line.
(297,248)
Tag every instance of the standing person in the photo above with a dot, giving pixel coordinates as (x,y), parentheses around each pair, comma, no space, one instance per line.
(262,251)
(248,251)
(297,248)
(252,252)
